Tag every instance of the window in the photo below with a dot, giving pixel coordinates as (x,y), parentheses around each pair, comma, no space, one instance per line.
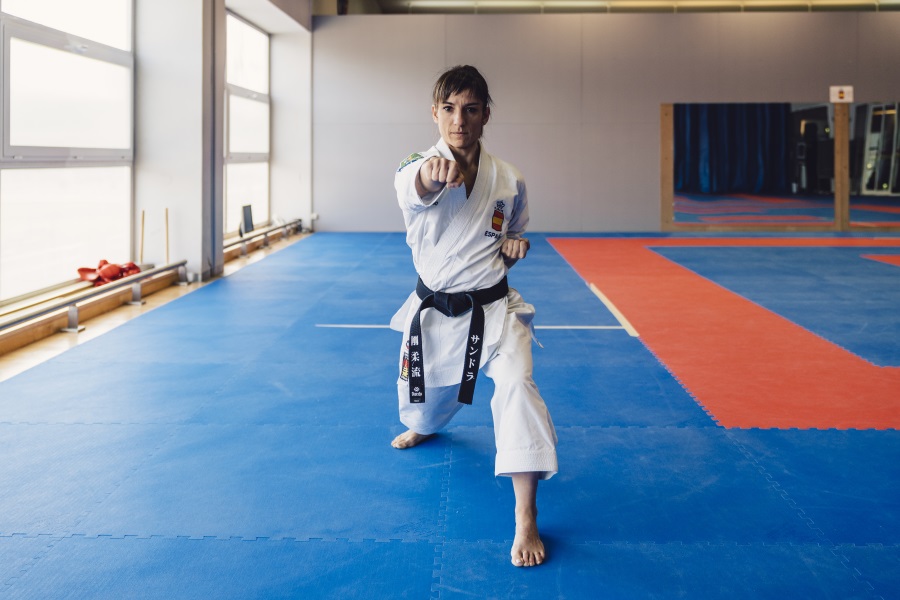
(67,147)
(65,100)
(246,183)
(104,21)
(246,123)
(54,220)
(248,126)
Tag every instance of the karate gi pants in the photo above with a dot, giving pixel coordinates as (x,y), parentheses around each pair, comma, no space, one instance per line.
(523,430)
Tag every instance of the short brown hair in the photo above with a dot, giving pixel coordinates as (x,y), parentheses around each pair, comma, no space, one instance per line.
(458,79)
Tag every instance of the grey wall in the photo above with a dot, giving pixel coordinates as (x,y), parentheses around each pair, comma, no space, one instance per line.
(577,97)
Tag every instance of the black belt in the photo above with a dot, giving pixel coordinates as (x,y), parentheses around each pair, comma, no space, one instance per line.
(451,305)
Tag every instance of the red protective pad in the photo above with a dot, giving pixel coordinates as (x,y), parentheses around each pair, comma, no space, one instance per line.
(747,366)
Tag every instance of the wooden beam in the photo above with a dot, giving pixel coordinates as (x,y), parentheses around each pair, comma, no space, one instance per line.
(667,166)
(842,167)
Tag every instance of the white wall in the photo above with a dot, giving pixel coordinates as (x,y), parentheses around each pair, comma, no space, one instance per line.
(290,73)
(179,72)
(291,152)
(179,112)
(577,97)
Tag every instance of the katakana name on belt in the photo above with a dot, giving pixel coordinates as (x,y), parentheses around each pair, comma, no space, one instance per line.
(451,305)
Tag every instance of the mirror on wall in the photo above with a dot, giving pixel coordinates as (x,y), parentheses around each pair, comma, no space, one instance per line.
(772,166)
(874,165)
(754,165)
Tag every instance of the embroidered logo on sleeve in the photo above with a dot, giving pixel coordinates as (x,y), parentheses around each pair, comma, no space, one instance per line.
(410,159)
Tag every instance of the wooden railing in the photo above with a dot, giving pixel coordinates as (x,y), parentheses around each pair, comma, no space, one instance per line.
(286,229)
(71,302)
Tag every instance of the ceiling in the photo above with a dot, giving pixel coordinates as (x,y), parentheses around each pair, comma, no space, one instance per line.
(614,6)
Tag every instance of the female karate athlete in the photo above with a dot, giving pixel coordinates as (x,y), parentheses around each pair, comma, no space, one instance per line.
(466,213)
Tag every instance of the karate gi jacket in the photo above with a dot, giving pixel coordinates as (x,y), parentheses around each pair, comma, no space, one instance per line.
(455,242)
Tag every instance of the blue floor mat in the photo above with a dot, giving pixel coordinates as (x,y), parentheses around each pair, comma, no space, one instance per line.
(278,482)
(82,392)
(55,475)
(848,482)
(878,567)
(646,570)
(227,446)
(167,568)
(656,485)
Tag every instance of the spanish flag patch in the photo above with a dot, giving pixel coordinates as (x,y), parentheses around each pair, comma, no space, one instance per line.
(497,220)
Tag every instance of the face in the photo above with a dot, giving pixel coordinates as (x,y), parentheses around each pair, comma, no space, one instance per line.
(461,119)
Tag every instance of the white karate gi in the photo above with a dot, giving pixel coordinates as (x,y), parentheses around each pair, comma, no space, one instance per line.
(455,244)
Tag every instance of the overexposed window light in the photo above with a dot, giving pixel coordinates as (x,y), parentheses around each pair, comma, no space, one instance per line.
(248,126)
(53,221)
(247,58)
(246,183)
(104,21)
(61,99)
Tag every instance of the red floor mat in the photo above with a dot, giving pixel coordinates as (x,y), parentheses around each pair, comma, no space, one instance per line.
(747,366)
(891,259)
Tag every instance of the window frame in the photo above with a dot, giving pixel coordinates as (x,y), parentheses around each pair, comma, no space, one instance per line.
(247,157)
(49,157)
(236,157)
(23,156)
(130,12)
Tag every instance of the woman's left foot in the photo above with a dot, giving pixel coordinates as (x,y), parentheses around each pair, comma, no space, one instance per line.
(527,548)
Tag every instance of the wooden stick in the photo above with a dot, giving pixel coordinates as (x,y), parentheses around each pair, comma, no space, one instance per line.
(167,235)
(143,215)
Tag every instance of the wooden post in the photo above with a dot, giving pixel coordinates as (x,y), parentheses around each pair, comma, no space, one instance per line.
(842,167)
(667,166)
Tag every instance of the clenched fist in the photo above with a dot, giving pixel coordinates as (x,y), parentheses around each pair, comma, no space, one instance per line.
(515,248)
(437,172)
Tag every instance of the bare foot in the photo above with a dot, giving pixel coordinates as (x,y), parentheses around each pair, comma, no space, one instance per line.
(409,439)
(527,549)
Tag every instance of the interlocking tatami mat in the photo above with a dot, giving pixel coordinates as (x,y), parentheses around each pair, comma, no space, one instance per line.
(235,442)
